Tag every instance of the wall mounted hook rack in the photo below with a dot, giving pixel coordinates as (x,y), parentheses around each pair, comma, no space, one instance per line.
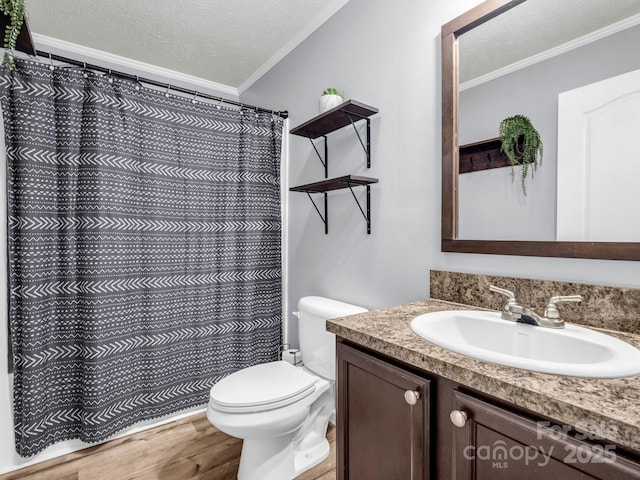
(483,155)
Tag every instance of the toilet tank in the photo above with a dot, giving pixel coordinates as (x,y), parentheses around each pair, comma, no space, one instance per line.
(317,346)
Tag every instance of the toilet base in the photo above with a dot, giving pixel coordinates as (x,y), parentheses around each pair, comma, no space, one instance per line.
(277,459)
(310,458)
(284,457)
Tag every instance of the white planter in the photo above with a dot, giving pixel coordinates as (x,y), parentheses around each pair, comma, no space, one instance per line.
(327,102)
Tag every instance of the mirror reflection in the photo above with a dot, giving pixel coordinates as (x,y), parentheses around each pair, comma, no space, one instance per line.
(572,67)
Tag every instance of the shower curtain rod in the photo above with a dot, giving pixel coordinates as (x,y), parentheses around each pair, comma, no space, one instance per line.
(59,58)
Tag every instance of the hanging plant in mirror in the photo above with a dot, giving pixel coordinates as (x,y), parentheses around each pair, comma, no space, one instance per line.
(521,144)
(14,11)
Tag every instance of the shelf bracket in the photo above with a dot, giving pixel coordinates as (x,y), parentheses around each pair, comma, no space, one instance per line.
(367,215)
(325,161)
(367,148)
(325,217)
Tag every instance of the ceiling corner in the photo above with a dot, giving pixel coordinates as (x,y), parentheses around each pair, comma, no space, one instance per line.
(331,9)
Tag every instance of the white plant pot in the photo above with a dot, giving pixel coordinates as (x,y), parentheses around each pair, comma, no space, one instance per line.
(327,102)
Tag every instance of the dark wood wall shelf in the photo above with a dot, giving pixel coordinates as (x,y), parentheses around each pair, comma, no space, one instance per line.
(334,119)
(483,155)
(346,113)
(347,181)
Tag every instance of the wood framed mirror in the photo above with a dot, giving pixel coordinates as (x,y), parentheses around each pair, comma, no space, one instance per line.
(451,240)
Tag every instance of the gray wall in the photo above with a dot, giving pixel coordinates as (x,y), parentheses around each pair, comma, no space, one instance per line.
(385,54)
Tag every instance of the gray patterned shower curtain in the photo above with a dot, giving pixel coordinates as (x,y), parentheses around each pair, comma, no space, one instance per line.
(144,250)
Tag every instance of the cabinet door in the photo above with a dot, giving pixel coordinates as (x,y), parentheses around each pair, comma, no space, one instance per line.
(381,434)
(495,444)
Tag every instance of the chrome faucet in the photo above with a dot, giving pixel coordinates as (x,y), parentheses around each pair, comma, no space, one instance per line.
(517,313)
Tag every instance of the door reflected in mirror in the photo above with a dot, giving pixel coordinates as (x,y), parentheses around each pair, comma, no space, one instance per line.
(521,62)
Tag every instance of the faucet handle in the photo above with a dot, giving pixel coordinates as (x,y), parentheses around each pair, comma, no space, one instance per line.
(511,297)
(511,311)
(552,312)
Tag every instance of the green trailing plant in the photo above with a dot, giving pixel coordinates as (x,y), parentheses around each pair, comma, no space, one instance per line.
(14,10)
(522,145)
(333,91)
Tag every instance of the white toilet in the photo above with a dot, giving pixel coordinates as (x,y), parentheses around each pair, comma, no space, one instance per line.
(279,410)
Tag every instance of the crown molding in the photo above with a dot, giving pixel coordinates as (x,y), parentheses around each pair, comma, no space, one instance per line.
(132,67)
(311,27)
(553,52)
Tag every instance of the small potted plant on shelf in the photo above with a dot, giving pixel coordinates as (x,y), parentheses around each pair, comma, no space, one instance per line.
(521,143)
(330,98)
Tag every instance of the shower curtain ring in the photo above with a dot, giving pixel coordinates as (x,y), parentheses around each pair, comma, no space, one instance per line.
(51,66)
(166,94)
(109,79)
(219,103)
(195,97)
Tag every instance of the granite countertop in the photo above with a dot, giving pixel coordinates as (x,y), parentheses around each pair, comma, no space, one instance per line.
(608,408)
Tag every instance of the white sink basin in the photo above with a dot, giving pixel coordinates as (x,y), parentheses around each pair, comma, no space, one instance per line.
(573,350)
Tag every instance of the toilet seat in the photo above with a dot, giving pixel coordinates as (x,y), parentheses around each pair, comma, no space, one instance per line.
(262,387)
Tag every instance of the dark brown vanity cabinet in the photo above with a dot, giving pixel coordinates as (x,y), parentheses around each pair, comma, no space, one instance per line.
(493,443)
(383,419)
(453,433)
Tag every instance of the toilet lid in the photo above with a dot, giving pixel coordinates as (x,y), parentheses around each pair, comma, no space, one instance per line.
(261,387)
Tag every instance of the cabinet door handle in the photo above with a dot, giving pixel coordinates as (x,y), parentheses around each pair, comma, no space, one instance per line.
(458,418)
(411,397)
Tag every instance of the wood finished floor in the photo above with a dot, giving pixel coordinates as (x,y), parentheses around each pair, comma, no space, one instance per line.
(187,449)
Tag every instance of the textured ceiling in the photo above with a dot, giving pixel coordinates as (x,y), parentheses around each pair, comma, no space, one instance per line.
(534,27)
(224,41)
